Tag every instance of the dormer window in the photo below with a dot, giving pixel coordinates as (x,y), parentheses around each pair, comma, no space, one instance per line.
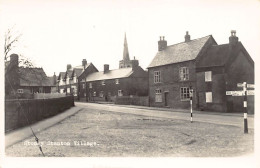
(117,81)
(184,73)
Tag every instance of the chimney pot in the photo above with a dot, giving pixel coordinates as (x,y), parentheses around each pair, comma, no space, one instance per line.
(162,44)
(233,39)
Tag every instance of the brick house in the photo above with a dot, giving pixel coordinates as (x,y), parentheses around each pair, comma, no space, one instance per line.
(177,68)
(218,71)
(129,79)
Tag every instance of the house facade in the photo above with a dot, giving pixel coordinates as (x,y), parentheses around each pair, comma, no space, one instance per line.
(200,65)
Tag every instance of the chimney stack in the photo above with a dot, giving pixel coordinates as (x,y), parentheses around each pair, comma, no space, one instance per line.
(54,79)
(106,68)
(162,44)
(187,37)
(233,39)
(68,66)
(84,63)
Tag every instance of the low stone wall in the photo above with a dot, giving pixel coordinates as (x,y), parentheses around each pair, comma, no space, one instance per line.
(132,100)
(48,95)
(19,110)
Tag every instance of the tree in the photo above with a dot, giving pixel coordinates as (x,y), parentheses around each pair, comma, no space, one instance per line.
(16,64)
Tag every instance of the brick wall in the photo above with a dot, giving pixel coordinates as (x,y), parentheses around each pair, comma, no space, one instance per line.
(171,84)
(133,100)
(34,109)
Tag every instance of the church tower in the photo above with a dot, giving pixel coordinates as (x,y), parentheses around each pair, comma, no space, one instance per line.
(126,62)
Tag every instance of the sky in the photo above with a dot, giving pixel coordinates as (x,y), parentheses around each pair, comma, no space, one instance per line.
(60,32)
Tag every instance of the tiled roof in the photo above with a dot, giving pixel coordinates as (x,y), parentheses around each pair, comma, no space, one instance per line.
(111,74)
(61,75)
(180,52)
(34,77)
(77,72)
(220,55)
(68,73)
(216,55)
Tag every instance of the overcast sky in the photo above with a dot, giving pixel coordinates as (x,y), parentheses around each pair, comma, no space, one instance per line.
(60,32)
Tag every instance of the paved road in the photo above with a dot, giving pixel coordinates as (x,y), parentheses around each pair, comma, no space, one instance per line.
(215,118)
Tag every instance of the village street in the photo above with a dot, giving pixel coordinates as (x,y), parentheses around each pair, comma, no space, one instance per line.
(99,130)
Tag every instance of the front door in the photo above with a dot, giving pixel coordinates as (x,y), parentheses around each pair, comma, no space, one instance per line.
(166,96)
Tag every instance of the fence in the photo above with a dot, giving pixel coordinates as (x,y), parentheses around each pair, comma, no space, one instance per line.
(35,110)
(132,100)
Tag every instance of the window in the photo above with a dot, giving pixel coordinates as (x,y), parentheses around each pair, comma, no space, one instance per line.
(157,76)
(75,79)
(103,82)
(184,73)
(90,85)
(68,90)
(68,80)
(120,93)
(101,94)
(94,93)
(208,76)
(208,97)
(19,90)
(185,93)
(117,81)
(158,95)
(83,85)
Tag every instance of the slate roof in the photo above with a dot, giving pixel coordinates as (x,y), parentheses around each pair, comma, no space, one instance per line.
(180,52)
(111,74)
(34,77)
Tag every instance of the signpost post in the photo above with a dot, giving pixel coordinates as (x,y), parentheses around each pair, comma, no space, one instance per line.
(244,93)
(191,95)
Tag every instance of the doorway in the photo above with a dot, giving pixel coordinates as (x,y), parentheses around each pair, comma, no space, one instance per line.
(166,99)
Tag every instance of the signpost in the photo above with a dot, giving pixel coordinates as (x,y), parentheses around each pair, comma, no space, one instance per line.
(245,92)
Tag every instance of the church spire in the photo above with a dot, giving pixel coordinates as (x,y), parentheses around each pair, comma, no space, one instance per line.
(126,53)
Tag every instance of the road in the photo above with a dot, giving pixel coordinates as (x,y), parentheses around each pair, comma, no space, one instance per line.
(214,118)
(102,130)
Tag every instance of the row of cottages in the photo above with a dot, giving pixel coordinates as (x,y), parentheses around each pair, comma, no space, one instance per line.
(25,81)
(67,82)
(106,85)
(88,84)
(206,67)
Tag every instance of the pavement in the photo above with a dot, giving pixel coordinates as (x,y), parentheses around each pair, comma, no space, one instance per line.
(25,132)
